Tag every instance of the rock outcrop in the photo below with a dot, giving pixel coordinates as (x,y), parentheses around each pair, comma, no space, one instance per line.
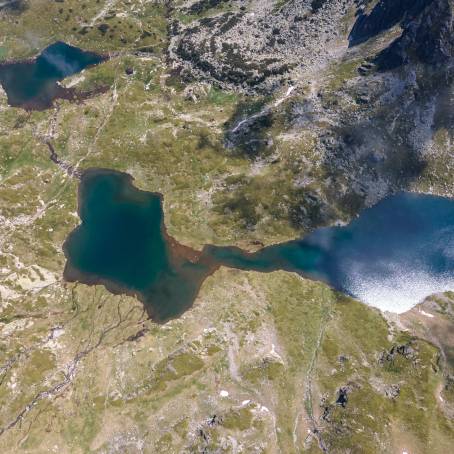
(427,37)
(385,14)
(255,45)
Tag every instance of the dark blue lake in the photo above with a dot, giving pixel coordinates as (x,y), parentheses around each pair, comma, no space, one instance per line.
(32,84)
(392,256)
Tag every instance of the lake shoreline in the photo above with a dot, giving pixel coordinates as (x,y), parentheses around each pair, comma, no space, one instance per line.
(344,258)
(177,250)
(57,61)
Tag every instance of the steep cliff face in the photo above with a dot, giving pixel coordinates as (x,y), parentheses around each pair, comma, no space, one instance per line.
(434,41)
(427,37)
(254,46)
(385,14)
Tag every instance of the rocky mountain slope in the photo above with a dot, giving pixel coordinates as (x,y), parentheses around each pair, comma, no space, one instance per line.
(258,121)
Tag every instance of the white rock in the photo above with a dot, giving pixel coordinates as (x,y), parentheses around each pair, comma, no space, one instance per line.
(426,314)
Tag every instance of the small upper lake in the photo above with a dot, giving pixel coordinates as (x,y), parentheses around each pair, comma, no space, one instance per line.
(32,84)
(392,256)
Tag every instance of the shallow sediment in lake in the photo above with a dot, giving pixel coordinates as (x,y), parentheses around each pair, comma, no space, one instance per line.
(33,83)
(391,256)
(122,244)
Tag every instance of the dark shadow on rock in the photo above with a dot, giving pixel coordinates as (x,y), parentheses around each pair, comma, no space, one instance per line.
(365,162)
(444,102)
(385,15)
(430,39)
(366,157)
(247,132)
(307,210)
(317,5)
(204,5)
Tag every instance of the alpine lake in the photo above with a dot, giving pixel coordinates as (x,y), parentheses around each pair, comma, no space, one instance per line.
(392,256)
(33,84)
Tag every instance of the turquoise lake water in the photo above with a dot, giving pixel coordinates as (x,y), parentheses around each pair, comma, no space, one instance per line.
(392,256)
